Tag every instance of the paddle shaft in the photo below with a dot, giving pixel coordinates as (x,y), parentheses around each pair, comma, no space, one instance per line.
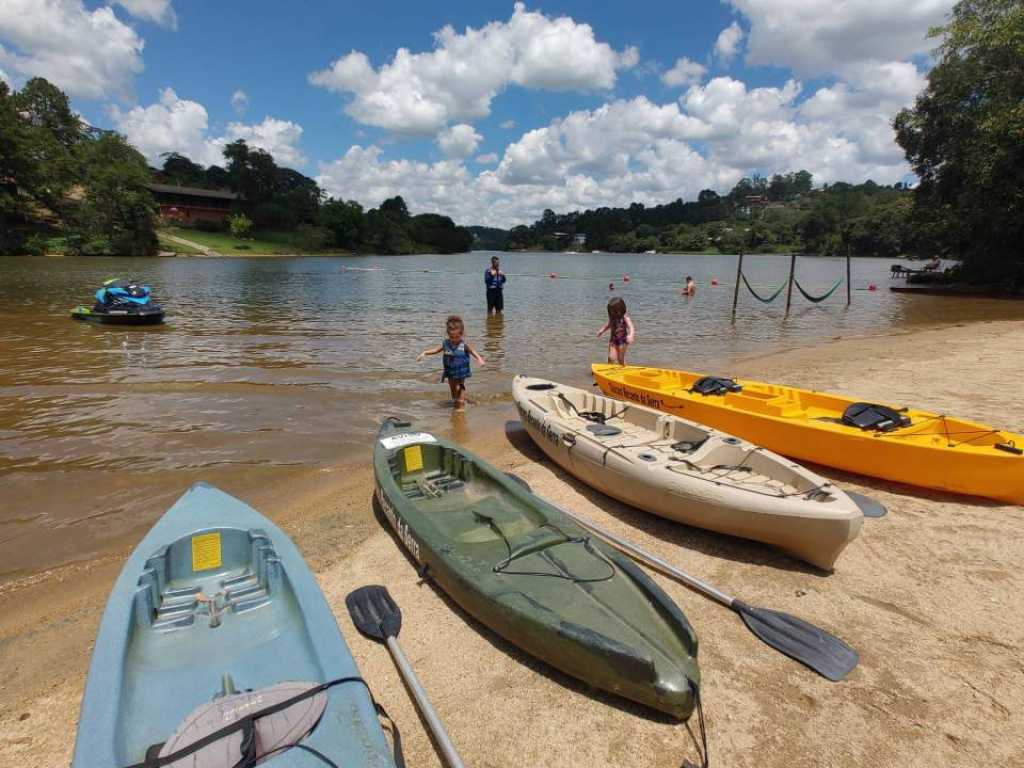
(653,561)
(444,743)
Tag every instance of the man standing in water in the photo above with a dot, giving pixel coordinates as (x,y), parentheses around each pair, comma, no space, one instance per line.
(494,279)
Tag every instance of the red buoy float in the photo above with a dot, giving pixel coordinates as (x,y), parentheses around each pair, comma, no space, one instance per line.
(714,281)
(625,278)
(553,275)
(872,287)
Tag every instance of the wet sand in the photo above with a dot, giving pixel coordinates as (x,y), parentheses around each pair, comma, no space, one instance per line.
(931,595)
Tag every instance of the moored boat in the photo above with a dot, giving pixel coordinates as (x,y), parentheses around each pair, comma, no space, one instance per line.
(215,618)
(687,472)
(905,445)
(525,570)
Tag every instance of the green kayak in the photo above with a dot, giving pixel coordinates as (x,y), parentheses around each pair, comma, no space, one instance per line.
(521,567)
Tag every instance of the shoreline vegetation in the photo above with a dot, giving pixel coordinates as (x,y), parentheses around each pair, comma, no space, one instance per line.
(928,628)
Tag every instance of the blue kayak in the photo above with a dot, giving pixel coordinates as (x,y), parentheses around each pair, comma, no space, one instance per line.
(216,634)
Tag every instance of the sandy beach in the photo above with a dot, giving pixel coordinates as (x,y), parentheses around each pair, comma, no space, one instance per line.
(931,596)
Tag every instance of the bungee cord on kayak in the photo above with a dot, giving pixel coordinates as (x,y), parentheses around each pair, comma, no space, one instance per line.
(502,566)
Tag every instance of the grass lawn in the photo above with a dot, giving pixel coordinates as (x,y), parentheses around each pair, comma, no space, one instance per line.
(267,242)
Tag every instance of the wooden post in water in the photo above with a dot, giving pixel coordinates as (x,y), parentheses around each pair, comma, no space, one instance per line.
(848,288)
(789,289)
(736,288)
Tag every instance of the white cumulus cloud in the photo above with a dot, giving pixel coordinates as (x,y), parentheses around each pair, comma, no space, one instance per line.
(278,137)
(421,93)
(170,125)
(684,72)
(815,37)
(489,159)
(360,174)
(508,125)
(179,125)
(601,141)
(459,141)
(637,150)
(727,45)
(90,54)
(240,102)
(155,11)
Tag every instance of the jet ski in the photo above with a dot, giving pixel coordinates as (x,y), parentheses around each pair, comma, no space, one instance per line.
(122,302)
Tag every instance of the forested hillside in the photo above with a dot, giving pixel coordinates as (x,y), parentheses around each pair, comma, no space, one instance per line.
(67,186)
(758,215)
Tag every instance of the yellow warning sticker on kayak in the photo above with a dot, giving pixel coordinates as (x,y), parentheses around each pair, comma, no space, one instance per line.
(413,458)
(206,552)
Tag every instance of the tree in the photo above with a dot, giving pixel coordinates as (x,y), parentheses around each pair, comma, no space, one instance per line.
(439,233)
(345,221)
(179,170)
(251,172)
(216,177)
(45,141)
(116,214)
(395,207)
(46,107)
(802,182)
(964,137)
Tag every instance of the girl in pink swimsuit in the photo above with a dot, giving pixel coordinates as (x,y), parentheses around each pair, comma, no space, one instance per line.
(622,331)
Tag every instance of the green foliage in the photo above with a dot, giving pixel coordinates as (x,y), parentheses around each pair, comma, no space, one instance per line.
(489,238)
(344,220)
(273,197)
(311,238)
(52,166)
(179,170)
(208,225)
(116,214)
(757,215)
(965,138)
(240,225)
(35,244)
(440,233)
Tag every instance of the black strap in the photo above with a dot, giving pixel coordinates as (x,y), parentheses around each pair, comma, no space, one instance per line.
(595,416)
(247,725)
(705,760)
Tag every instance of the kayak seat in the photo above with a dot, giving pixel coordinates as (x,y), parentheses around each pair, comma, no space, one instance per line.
(241,575)
(430,486)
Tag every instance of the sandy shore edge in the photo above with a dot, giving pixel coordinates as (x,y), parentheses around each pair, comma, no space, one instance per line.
(930,595)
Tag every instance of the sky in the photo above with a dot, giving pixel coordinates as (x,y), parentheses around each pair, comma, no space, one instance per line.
(491,112)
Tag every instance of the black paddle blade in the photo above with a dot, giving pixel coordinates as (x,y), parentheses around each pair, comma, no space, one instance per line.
(867,505)
(810,645)
(374,613)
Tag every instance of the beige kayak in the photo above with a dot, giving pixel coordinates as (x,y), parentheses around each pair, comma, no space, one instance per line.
(687,472)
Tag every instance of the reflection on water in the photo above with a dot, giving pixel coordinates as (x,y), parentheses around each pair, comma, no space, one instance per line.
(493,350)
(269,367)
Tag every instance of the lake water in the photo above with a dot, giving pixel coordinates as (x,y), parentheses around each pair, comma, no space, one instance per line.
(270,368)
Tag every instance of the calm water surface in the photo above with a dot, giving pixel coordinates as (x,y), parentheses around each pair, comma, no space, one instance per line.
(268,368)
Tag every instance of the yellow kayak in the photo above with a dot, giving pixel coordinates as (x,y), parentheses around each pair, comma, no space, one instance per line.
(901,444)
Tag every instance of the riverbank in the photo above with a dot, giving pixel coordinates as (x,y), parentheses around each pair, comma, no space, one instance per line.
(930,595)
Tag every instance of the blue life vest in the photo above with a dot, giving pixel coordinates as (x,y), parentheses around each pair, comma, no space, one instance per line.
(456,361)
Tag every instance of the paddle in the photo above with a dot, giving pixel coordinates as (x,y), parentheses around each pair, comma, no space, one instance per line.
(868,506)
(812,646)
(377,616)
